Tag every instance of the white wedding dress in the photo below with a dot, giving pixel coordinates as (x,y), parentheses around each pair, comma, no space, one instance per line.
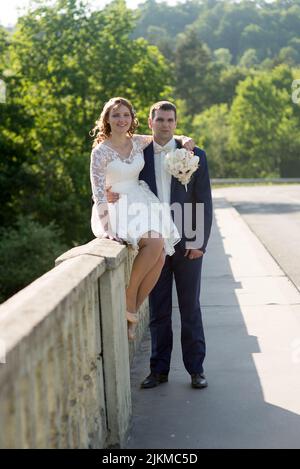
(138,211)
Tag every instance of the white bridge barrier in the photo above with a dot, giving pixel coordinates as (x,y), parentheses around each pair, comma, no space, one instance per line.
(64,354)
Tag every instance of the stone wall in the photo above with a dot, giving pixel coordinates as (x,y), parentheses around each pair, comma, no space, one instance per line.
(65,382)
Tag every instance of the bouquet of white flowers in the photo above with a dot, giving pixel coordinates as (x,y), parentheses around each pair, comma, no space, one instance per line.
(182,163)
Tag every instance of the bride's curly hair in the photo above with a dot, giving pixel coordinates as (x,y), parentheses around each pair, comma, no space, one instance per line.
(102,128)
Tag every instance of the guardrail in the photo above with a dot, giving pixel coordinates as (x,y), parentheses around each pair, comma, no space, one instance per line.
(254,180)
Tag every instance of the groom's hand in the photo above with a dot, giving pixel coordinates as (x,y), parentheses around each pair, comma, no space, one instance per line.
(187,143)
(111,197)
(193,253)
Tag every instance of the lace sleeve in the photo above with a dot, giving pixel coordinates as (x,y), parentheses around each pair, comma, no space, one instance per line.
(98,174)
(142,141)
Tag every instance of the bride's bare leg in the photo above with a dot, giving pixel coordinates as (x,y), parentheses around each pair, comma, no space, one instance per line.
(150,250)
(149,281)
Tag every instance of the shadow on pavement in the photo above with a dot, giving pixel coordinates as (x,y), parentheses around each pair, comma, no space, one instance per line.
(232,411)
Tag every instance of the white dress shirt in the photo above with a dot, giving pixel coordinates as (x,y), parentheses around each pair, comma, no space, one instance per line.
(162,176)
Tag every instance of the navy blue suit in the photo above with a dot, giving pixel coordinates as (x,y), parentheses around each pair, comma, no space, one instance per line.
(187,273)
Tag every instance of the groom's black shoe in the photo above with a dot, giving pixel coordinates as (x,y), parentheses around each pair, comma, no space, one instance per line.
(198,380)
(154,379)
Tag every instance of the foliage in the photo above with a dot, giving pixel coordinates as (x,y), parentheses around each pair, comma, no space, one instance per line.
(195,73)
(256,136)
(228,66)
(27,251)
(263,26)
(65,64)
(263,125)
(210,131)
(61,64)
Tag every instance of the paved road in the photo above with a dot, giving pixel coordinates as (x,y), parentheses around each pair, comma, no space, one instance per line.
(251,314)
(273,214)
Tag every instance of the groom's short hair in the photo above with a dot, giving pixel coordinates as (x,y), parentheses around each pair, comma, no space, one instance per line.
(164,106)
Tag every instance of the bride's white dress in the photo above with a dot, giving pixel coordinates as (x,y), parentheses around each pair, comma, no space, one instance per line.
(138,211)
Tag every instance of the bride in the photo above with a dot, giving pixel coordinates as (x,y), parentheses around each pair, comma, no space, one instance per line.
(137,218)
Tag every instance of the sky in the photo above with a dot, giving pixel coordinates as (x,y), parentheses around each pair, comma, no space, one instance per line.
(9,11)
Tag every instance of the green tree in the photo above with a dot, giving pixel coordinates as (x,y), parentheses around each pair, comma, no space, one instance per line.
(288,55)
(3,47)
(263,125)
(223,56)
(62,63)
(159,37)
(15,127)
(170,19)
(237,26)
(27,251)
(229,79)
(253,36)
(249,59)
(211,131)
(67,63)
(196,76)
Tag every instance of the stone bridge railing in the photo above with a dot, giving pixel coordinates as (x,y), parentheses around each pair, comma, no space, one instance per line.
(65,371)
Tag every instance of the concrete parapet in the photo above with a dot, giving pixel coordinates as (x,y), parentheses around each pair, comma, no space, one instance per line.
(64,374)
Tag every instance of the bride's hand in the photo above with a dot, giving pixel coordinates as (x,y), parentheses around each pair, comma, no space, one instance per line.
(114,238)
(111,197)
(187,143)
(109,234)
(193,253)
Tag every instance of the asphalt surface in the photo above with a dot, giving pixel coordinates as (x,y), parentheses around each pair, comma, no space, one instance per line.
(273,214)
(251,313)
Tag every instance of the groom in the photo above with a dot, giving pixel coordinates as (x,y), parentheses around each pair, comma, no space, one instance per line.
(185,265)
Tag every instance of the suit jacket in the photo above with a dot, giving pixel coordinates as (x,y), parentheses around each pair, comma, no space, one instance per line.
(198,191)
